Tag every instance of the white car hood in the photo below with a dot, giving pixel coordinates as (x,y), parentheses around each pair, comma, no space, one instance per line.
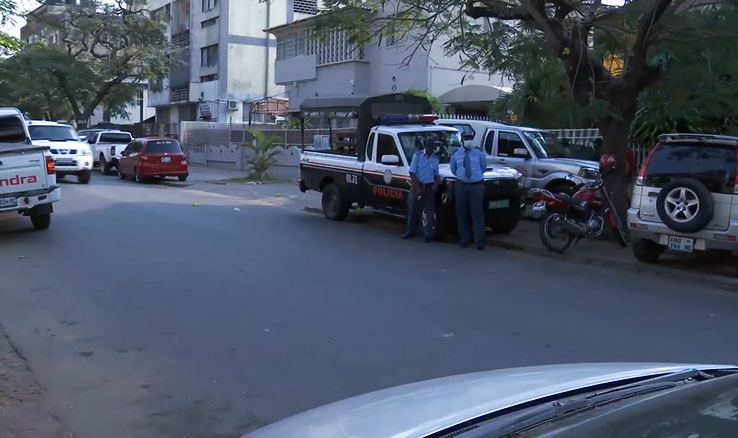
(419,409)
(494,172)
(58,148)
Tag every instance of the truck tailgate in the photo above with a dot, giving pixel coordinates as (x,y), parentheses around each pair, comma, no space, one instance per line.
(22,170)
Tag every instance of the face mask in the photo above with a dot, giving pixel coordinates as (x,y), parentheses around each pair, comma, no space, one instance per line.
(468,145)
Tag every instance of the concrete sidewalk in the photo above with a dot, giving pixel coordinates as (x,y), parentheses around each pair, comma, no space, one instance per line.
(202,173)
(707,268)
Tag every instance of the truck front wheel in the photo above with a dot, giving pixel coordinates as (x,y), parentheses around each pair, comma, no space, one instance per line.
(335,207)
(504,226)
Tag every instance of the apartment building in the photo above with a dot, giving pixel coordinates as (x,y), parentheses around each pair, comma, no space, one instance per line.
(45,23)
(330,66)
(224,66)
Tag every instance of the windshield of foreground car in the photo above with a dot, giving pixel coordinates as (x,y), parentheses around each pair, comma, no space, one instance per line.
(546,145)
(52,133)
(115,138)
(446,143)
(694,404)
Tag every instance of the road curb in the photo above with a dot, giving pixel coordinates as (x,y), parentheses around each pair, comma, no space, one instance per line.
(718,281)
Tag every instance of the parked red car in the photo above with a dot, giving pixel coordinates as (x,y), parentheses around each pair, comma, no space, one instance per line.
(149,157)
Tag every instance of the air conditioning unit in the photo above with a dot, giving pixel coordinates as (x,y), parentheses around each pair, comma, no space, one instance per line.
(233,105)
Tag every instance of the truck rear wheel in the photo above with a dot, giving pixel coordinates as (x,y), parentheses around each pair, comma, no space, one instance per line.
(104,165)
(41,221)
(335,207)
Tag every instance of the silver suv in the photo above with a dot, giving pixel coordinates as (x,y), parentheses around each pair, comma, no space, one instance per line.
(686,198)
(538,155)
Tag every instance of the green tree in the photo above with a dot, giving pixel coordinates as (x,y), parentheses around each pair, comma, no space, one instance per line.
(484,33)
(435,103)
(105,50)
(263,154)
(8,11)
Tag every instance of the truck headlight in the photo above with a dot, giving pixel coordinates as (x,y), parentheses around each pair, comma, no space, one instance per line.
(85,152)
(589,173)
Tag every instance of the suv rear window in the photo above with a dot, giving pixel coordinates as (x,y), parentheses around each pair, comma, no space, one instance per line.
(712,164)
(115,138)
(11,130)
(163,147)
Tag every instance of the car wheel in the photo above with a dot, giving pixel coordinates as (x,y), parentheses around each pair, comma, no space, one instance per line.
(41,221)
(504,226)
(104,165)
(553,237)
(182,178)
(685,205)
(647,251)
(137,176)
(334,207)
(84,176)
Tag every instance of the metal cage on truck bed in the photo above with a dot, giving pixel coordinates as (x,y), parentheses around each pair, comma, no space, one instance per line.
(366,110)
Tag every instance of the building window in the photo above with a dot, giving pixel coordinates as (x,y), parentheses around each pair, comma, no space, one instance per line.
(209,56)
(209,5)
(163,14)
(209,78)
(305,7)
(208,23)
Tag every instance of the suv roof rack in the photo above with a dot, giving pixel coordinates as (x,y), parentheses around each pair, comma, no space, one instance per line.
(699,137)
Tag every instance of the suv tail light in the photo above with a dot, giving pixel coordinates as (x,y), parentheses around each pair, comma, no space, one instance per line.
(112,150)
(50,166)
(644,166)
(735,187)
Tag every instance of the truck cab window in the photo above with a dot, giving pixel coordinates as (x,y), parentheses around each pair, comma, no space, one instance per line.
(11,130)
(386,146)
(370,148)
(508,142)
(489,141)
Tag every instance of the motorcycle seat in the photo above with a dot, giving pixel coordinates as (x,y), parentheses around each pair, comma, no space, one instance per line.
(568,199)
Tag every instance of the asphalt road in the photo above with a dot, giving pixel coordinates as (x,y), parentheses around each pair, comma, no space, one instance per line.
(143,315)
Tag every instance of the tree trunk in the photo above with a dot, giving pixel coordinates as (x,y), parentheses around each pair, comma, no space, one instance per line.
(615,134)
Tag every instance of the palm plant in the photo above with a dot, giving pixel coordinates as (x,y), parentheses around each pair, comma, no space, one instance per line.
(263,154)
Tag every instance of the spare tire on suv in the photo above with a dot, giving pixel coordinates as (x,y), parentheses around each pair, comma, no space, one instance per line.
(685,205)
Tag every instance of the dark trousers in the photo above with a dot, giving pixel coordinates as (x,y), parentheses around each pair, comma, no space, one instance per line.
(469,209)
(421,199)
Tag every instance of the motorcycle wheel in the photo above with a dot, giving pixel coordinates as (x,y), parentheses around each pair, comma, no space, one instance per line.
(552,236)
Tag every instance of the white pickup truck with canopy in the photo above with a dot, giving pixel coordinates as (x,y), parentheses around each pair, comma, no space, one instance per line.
(27,172)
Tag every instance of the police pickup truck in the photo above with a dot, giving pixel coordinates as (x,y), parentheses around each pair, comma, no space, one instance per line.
(27,172)
(378,176)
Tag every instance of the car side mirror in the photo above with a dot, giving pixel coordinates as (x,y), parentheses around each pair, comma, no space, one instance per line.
(89,140)
(521,153)
(390,160)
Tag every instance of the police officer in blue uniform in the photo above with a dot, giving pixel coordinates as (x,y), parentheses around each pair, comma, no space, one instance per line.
(422,196)
(468,165)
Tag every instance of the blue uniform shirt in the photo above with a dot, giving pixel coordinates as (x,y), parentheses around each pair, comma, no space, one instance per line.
(478,165)
(424,167)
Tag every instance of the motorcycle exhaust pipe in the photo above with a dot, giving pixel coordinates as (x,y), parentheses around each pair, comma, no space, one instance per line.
(572,228)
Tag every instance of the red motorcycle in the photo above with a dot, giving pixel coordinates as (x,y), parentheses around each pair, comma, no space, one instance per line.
(566,219)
